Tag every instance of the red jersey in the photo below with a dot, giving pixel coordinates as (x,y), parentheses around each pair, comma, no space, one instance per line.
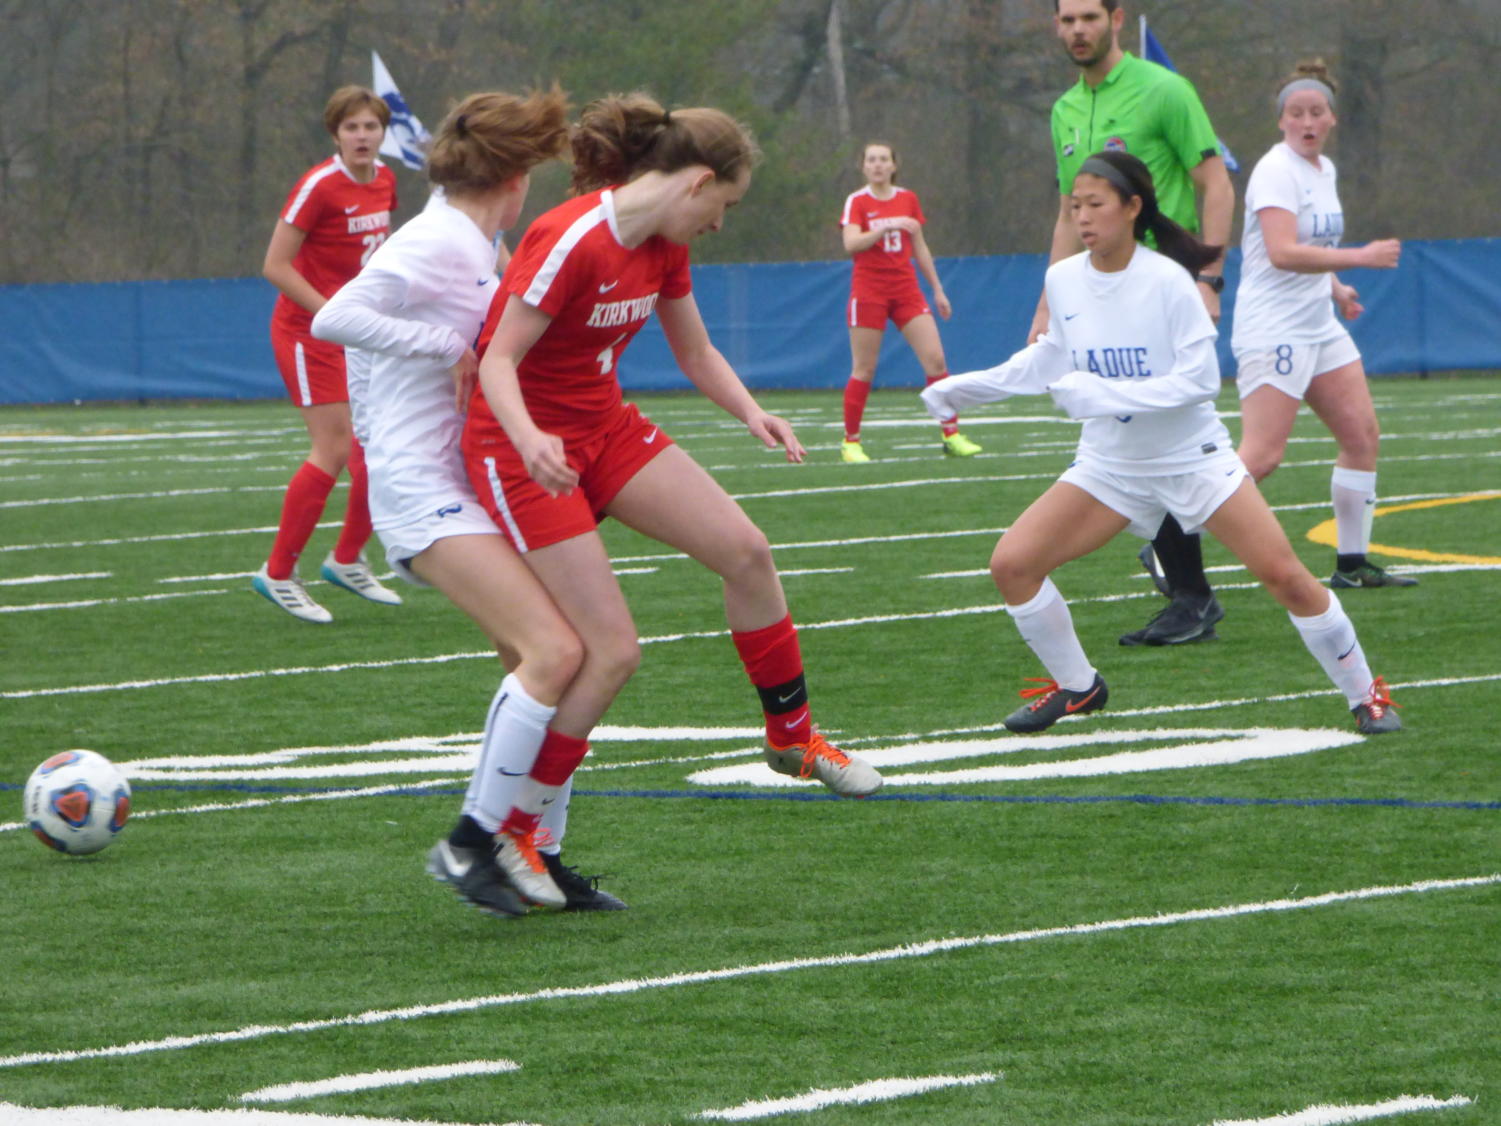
(599,294)
(887,265)
(343,222)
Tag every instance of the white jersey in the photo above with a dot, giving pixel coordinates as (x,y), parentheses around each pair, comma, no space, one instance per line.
(1275,307)
(416,306)
(1131,353)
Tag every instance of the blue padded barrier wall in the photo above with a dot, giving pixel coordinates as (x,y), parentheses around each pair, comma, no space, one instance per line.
(780,325)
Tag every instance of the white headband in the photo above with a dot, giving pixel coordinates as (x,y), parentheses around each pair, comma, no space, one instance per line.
(1298,84)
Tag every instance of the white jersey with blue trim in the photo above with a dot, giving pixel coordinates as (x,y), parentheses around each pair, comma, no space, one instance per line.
(1273,306)
(1131,353)
(416,306)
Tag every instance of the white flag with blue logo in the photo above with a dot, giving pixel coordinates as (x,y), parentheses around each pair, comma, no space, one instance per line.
(405,138)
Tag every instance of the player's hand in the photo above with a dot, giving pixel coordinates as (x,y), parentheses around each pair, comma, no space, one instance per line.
(547,463)
(941,303)
(1039,325)
(906,223)
(1348,300)
(775,431)
(465,374)
(1383,254)
(1211,302)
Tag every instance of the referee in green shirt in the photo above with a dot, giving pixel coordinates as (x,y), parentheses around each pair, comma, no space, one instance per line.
(1128,104)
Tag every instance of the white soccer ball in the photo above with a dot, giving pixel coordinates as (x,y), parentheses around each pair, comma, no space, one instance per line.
(77,802)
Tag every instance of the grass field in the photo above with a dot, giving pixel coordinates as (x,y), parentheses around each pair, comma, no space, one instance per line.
(1210,903)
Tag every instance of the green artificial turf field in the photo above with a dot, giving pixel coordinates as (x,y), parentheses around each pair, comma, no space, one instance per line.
(1209,903)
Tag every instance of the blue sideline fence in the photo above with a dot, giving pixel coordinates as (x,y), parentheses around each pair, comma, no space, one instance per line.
(781,325)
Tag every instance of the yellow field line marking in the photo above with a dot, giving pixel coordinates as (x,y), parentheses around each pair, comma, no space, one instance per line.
(1325,533)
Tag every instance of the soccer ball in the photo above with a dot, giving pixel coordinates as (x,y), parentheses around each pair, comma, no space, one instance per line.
(76,802)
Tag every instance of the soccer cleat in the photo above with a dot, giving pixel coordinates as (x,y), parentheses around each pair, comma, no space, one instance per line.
(852,453)
(1148,559)
(1368,574)
(957,445)
(582,892)
(847,775)
(517,857)
(1181,621)
(1377,715)
(1053,703)
(357,578)
(472,874)
(290,595)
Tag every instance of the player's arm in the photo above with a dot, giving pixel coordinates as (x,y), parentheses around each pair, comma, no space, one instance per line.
(1065,243)
(286,241)
(924,258)
(521,325)
(1216,209)
(856,240)
(708,370)
(1279,230)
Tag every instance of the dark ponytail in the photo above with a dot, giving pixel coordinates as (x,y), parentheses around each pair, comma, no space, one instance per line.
(1130,177)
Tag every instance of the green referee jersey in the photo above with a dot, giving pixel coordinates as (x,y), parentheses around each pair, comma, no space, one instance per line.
(1145,110)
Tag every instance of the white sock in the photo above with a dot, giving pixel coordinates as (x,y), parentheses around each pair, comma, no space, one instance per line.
(555,821)
(1331,639)
(1048,629)
(514,730)
(1353,492)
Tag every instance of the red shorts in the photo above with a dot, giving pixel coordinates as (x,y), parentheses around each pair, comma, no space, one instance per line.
(605,461)
(872,312)
(312,369)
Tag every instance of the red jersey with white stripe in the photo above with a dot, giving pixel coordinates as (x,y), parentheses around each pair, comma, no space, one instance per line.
(887,265)
(343,222)
(572,266)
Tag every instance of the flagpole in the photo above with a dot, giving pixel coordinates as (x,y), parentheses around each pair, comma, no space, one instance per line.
(1141,42)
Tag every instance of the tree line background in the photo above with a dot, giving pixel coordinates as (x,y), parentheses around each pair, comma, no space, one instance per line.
(158,138)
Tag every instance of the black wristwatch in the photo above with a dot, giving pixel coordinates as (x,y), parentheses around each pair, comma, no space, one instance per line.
(1214,282)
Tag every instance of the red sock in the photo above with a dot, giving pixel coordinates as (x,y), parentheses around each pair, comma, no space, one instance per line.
(856,391)
(519,823)
(558,757)
(307,493)
(950,427)
(356,531)
(774,663)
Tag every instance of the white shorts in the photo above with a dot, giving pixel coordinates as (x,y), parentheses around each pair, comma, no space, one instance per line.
(1292,367)
(1144,501)
(457,516)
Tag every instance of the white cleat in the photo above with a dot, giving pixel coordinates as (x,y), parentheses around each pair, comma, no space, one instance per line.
(357,578)
(518,858)
(289,595)
(849,776)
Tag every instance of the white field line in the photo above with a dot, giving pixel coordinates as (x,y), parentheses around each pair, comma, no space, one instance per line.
(875,1091)
(628,986)
(86,602)
(155,494)
(261,803)
(164,537)
(13,1115)
(1334,1115)
(371,1080)
(28,580)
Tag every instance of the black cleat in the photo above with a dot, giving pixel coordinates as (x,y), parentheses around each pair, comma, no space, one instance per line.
(1053,703)
(1181,621)
(475,878)
(1368,574)
(582,892)
(1377,715)
(1148,559)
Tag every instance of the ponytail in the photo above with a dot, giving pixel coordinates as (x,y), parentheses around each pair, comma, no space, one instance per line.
(623,135)
(489,138)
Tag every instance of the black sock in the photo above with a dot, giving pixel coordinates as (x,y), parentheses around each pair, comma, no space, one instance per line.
(1349,562)
(1181,557)
(469,833)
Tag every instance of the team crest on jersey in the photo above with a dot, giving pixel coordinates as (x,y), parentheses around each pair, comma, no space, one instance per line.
(1115,144)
